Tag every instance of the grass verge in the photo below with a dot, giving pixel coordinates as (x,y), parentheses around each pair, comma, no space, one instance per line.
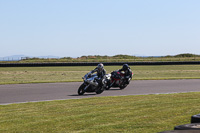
(139,114)
(16,75)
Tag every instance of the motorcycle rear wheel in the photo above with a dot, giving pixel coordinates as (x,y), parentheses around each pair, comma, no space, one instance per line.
(81,89)
(100,90)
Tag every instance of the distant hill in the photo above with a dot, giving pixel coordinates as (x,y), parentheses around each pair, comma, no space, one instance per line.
(186,55)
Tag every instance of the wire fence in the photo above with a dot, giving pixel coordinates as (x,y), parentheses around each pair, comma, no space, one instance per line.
(10,59)
(22,58)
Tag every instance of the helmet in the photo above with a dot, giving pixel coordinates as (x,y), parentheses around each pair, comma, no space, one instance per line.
(100,66)
(125,67)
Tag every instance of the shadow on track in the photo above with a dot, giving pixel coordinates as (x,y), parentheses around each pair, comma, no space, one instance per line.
(113,90)
(82,95)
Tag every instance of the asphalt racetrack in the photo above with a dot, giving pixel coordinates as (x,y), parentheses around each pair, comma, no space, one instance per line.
(20,93)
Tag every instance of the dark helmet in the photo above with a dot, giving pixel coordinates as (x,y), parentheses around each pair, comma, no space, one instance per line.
(100,66)
(125,67)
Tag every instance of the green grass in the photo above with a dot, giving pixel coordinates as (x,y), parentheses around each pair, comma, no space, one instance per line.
(15,75)
(145,114)
(138,114)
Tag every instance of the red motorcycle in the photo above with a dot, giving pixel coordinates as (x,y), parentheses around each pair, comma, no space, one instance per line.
(116,79)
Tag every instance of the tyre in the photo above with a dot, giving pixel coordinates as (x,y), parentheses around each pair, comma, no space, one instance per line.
(195,119)
(81,89)
(181,131)
(100,90)
(192,126)
(107,87)
(123,86)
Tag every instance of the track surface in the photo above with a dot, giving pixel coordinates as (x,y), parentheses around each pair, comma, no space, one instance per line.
(19,93)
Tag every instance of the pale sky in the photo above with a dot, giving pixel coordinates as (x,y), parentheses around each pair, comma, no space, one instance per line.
(73,28)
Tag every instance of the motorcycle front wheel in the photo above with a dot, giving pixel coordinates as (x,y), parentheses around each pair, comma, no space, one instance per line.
(81,89)
(107,86)
(123,86)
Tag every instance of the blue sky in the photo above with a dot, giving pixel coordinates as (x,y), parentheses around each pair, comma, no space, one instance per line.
(73,28)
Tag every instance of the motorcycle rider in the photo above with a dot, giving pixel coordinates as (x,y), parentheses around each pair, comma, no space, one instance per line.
(127,71)
(100,73)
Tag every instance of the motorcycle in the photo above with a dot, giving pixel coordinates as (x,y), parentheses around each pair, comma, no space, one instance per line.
(91,84)
(116,79)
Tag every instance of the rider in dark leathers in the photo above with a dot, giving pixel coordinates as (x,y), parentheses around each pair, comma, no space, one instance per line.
(100,73)
(127,71)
